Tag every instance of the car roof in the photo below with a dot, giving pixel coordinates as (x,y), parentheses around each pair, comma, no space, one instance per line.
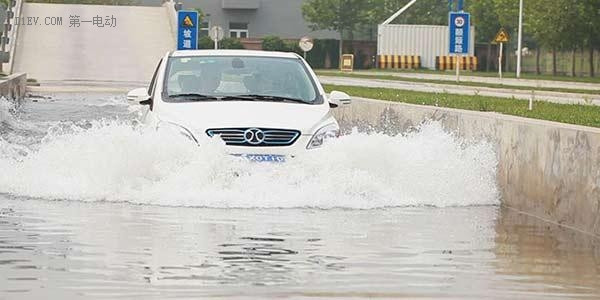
(226,52)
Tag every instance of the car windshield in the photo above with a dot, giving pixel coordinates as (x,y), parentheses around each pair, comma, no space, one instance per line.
(199,78)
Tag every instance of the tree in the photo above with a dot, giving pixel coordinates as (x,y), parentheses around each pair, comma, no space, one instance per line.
(337,15)
(428,12)
(508,13)
(590,19)
(486,20)
(548,22)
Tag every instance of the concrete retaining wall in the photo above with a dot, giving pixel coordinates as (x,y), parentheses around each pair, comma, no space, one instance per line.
(546,169)
(13,87)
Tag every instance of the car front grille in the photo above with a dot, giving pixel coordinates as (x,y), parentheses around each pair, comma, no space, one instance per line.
(246,136)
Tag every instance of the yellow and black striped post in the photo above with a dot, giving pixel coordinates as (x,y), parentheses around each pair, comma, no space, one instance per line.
(399,62)
(447,62)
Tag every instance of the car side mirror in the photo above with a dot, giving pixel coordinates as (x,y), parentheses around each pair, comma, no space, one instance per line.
(338,99)
(139,95)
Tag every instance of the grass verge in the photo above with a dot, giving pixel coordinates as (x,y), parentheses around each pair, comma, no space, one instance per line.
(586,115)
(505,75)
(462,83)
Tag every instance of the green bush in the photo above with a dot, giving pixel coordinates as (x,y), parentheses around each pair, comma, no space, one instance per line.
(229,43)
(205,43)
(292,46)
(273,43)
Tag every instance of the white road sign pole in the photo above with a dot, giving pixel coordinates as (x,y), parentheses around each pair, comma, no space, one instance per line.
(216,33)
(458,67)
(519,44)
(500,61)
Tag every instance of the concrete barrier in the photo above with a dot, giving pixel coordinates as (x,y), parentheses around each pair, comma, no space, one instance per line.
(13,87)
(546,169)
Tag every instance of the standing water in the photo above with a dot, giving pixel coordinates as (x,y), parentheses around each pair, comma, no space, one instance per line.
(94,205)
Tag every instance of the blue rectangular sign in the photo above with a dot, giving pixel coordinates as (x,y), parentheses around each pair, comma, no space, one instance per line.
(187,30)
(460,24)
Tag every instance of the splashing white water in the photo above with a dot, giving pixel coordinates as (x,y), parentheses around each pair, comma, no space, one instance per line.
(114,161)
(6,109)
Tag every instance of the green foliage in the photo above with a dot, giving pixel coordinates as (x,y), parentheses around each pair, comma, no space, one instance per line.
(430,12)
(587,115)
(508,13)
(229,43)
(273,43)
(205,43)
(547,22)
(485,18)
(322,50)
(337,15)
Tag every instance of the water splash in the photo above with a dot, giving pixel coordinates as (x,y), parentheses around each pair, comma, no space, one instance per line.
(118,161)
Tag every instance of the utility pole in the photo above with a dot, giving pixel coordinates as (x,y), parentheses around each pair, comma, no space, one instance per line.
(520,42)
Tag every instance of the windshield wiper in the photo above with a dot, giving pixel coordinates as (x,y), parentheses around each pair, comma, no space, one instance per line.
(194,96)
(235,97)
(274,98)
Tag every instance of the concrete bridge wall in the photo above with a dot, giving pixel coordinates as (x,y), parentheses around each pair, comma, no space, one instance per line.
(13,87)
(546,169)
(126,48)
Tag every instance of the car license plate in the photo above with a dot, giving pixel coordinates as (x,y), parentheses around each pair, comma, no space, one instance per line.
(264,158)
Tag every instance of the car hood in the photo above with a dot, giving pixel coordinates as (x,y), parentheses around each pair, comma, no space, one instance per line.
(200,116)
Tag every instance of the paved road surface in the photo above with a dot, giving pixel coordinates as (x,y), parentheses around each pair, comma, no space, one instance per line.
(492,80)
(128,52)
(557,97)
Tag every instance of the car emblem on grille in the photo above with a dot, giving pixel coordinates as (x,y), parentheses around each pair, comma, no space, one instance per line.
(254,136)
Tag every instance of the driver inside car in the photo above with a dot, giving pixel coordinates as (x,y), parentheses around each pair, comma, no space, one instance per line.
(207,82)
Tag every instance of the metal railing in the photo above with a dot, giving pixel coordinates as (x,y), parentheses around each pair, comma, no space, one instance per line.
(9,36)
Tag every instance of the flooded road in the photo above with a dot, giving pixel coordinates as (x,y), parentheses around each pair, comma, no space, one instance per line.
(94,206)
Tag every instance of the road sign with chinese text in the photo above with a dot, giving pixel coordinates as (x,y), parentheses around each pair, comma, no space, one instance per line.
(460,23)
(187,30)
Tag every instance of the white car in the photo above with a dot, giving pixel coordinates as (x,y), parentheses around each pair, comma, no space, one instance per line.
(265,106)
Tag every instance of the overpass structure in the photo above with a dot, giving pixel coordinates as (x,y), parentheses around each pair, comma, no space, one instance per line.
(124,47)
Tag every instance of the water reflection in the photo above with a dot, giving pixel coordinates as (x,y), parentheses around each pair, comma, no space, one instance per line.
(549,258)
(101,250)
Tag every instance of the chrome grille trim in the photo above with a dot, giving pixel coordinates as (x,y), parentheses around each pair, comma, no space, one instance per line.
(273,137)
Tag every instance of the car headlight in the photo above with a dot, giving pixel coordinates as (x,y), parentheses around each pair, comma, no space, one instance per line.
(326,132)
(176,129)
